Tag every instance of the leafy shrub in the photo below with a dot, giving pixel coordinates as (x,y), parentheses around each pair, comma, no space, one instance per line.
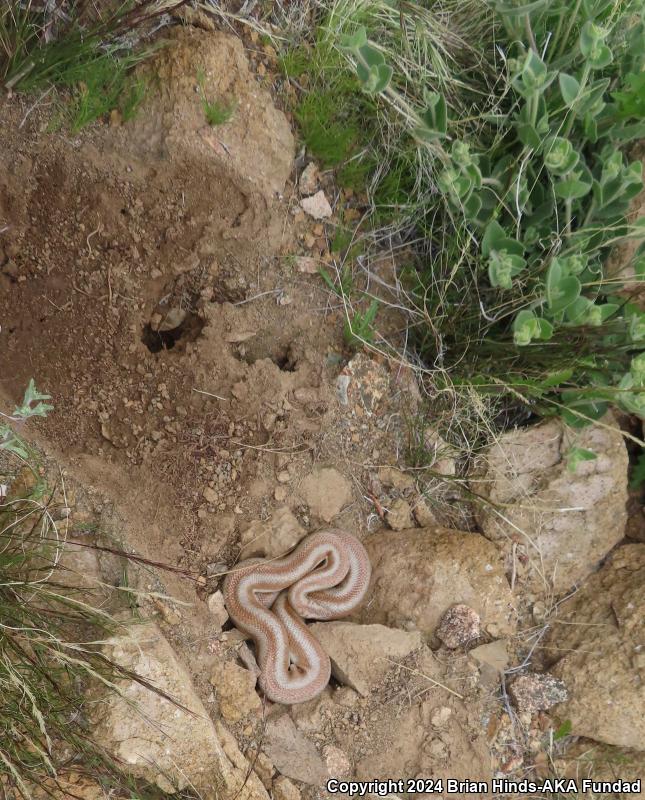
(521,190)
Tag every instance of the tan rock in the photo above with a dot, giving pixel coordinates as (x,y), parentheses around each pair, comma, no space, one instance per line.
(292,753)
(361,655)
(600,652)
(399,515)
(418,574)
(217,609)
(155,738)
(423,514)
(564,522)
(283,789)
(494,654)
(235,690)
(326,491)
(391,476)
(272,538)
(308,180)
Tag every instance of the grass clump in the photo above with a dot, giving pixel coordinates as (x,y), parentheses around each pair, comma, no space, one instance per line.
(70,44)
(502,128)
(50,641)
(217,112)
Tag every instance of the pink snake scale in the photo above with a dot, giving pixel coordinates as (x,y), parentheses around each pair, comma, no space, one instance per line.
(324,578)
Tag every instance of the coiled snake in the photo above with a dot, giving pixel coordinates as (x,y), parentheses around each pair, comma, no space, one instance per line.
(324,578)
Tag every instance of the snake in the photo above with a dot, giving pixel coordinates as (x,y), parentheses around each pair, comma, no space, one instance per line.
(325,577)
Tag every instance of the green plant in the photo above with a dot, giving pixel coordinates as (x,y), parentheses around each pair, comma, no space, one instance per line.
(107,84)
(50,640)
(217,112)
(91,54)
(534,190)
(360,328)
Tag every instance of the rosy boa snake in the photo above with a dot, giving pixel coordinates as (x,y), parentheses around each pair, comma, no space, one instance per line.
(324,578)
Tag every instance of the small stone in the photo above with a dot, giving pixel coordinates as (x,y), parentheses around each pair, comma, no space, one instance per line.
(317,206)
(284,789)
(306,264)
(172,319)
(280,494)
(440,716)
(217,608)
(539,611)
(459,625)
(326,491)
(309,179)
(423,514)
(535,692)
(283,476)
(494,654)
(390,476)
(399,515)
(236,690)
(210,495)
(337,762)
(273,537)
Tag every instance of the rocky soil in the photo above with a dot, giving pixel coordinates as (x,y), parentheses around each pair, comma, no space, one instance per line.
(158,278)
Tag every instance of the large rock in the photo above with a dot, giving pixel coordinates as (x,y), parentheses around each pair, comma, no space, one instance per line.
(418,574)
(601,631)
(361,655)
(171,744)
(561,523)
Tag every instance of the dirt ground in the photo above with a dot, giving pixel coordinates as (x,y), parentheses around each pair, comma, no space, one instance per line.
(149,282)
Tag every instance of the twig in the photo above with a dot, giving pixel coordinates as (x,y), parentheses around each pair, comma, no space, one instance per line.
(423,675)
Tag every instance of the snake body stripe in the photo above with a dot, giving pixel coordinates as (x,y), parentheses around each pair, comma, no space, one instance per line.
(325,577)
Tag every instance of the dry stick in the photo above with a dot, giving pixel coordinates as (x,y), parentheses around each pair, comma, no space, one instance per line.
(423,675)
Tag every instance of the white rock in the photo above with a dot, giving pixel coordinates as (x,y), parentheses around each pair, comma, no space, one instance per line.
(217,608)
(317,206)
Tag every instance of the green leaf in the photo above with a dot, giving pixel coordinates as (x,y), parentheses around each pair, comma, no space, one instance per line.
(600,57)
(559,156)
(569,88)
(493,234)
(503,266)
(561,289)
(354,41)
(572,189)
(591,35)
(576,455)
(434,119)
(631,100)
(588,408)
(563,730)
(33,396)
